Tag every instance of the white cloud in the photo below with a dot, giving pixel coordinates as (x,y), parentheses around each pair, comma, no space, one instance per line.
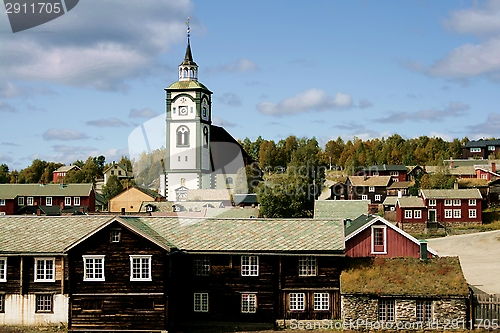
(240,66)
(63,134)
(4,107)
(310,100)
(489,128)
(222,122)
(470,60)
(100,49)
(5,159)
(109,122)
(144,113)
(444,136)
(453,109)
(230,99)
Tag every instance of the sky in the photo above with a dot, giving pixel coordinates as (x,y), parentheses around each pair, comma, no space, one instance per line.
(79,85)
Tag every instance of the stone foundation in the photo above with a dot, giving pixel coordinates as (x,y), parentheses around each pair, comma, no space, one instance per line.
(361,313)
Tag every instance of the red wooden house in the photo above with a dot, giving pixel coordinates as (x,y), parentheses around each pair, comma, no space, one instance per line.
(374,236)
(59,174)
(50,199)
(454,206)
(411,214)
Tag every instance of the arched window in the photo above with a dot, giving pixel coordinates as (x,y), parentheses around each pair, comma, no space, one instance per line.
(229,181)
(205,137)
(182,136)
(191,73)
(185,73)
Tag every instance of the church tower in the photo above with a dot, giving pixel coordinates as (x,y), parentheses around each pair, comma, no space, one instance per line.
(188,125)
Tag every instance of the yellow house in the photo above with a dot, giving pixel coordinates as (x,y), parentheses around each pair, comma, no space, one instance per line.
(130,200)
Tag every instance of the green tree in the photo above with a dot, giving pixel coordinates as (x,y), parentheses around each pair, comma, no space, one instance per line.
(286,195)
(247,179)
(4,174)
(112,188)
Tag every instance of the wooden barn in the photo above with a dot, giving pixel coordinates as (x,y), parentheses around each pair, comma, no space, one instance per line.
(34,270)
(374,236)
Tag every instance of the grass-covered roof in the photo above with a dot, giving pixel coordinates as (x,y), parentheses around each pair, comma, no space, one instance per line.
(404,276)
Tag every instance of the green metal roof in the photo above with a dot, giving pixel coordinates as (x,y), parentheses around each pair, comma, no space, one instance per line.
(11,191)
(45,234)
(183,85)
(357,223)
(340,209)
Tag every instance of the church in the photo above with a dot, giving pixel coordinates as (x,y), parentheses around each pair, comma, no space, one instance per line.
(199,155)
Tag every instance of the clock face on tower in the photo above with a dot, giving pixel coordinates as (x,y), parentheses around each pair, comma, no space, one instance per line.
(183,110)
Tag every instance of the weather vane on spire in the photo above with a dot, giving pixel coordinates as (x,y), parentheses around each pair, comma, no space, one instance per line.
(188,29)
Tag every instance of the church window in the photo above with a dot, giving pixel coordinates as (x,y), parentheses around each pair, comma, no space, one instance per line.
(229,180)
(185,72)
(205,137)
(182,136)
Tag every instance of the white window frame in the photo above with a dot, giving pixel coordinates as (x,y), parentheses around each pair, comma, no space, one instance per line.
(423,311)
(472,213)
(384,234)
(448,213)
(140,267)
(20,201)
(67,201)
(92,261)
(44,273)
(249,265)
(308,266)
(457,202)
(364,197)
(394,173)
(116,236)
(475,150)
(321,301)
(76,201)
(386,310)
(371,189)
(201,266)
(417,214)
(457,213)
(408,214)
(432,202)
(48,201)
(2,202)
(3,269)
(44,303)
(297,301)
(448,202)
(472,202)
(29,201)
(201,302)
(248,303)
(378,197)
(491,148)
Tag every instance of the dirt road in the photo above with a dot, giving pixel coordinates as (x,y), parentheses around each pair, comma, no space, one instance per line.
(479,256)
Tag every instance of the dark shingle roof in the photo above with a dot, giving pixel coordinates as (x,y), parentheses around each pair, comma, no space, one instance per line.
(386,167)
(482,143)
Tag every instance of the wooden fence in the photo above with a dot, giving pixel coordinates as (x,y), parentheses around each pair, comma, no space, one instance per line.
(486,310)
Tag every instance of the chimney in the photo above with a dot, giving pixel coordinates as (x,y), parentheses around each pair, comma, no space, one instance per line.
(61,205)
(400,194)
(423,250)
(455,185)
(493,167)
(38,212)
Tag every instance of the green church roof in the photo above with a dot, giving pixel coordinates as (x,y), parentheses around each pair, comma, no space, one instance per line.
(183,85)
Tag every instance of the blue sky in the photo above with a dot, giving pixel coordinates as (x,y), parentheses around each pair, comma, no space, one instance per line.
(78,86)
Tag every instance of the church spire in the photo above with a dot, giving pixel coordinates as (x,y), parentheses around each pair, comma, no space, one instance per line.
(188,69)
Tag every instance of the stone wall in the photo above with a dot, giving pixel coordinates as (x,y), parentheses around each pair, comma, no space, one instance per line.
(412,228)
(361,313)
